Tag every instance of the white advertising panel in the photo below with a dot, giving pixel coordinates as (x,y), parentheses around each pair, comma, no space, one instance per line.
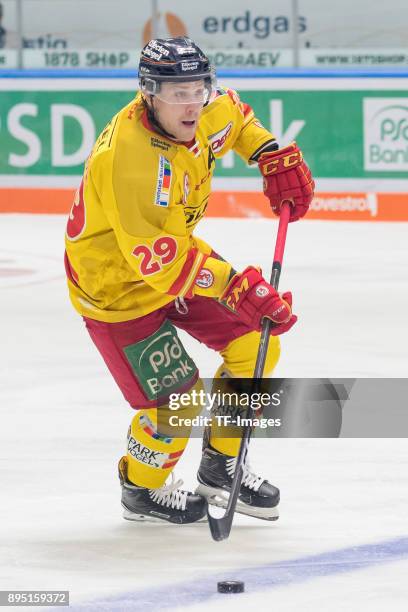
(262,24)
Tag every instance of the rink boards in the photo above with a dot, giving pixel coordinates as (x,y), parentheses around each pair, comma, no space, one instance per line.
(353,131)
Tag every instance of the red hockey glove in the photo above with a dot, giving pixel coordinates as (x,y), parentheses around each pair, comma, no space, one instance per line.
(287,177)
(252,298)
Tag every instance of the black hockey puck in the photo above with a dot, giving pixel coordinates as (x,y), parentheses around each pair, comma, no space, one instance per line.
(231,586)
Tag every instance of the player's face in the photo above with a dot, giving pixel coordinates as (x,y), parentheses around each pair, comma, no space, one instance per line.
(178,107)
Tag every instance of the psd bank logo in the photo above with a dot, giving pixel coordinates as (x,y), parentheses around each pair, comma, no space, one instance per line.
(386,134)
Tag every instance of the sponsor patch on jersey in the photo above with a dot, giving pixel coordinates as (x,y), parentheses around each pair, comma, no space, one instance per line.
(218,139)
(151,457)
(161,363)
(132,111)
(150,430)
(186,187)
(205,278)
(159,144)
(163,182)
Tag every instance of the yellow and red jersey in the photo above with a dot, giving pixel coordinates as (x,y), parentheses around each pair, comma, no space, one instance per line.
(130,247)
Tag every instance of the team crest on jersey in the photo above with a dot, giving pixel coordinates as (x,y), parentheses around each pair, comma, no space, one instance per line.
(218,139)
(205,279)
(194,213)
(163,182)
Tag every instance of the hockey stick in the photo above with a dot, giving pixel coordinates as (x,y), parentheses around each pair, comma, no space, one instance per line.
(220,527)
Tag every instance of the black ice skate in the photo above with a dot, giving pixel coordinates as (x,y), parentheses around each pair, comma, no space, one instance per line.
(257,497)
(168,503)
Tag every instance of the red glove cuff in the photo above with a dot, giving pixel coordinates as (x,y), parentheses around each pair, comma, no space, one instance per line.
(287,177)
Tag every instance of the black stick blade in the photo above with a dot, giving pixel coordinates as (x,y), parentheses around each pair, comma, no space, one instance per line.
(220,527)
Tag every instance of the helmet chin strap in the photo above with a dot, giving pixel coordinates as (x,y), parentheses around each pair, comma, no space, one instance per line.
(151,115)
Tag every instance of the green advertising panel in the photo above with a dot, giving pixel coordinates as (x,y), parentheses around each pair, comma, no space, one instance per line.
(344,133)
(51,132)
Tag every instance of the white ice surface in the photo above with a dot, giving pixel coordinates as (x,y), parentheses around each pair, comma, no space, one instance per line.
(63,424)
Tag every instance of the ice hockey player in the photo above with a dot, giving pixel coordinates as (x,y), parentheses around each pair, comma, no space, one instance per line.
(136,271)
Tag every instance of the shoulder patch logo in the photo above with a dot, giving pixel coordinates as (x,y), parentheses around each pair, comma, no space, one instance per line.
(163,183)
(205,278)
(218,139)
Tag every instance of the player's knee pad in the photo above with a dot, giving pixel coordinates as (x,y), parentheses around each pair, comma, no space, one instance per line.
(155,443)
(240,356)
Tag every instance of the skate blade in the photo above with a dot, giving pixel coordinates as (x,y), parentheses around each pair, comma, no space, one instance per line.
(147,518)
(219,498)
